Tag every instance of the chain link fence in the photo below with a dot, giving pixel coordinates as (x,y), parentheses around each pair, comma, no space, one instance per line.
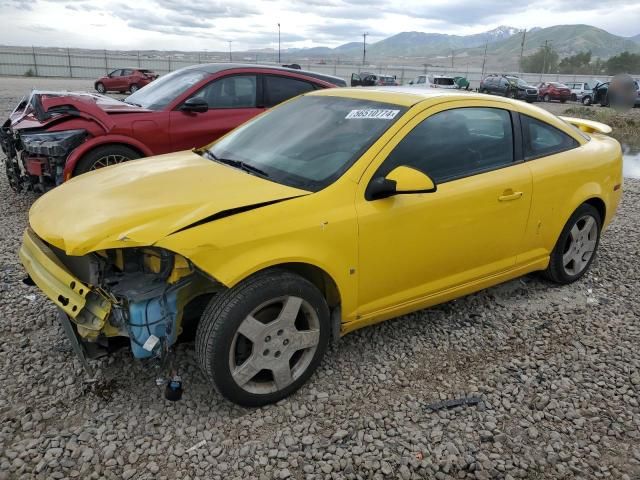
(68,63)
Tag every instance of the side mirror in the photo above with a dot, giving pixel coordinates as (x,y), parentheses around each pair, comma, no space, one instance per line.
(400,181)
(196,105)
(410,82)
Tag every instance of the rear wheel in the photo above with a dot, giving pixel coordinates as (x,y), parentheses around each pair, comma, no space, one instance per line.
(564,100)
(576,247)
(546,97)
(259,341)
(100,87)
(105,156)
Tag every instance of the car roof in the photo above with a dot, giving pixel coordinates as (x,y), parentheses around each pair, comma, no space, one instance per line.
(219,67)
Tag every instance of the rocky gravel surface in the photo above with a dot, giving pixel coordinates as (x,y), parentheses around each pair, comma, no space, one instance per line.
(556,369)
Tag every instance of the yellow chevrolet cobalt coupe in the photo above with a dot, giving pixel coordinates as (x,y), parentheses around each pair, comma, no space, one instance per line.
(336,210)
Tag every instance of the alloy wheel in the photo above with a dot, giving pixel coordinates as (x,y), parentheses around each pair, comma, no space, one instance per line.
(108,160)
(580,245)
(274,345)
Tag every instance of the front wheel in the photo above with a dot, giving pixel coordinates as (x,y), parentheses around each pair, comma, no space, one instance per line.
(105,156)
(259,341)
(100,88)
(576,247)
(586,100)
(547,98)
(134,88)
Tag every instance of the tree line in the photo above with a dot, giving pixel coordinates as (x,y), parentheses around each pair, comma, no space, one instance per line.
(547,60)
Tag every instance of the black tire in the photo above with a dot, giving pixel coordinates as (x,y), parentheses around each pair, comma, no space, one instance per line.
(546,97)
(574,97)
(93,159)
(511,94)
(134,88)
(556,271)
(586,100)
(484,90)
(218,333)
(100,88)
(564,100)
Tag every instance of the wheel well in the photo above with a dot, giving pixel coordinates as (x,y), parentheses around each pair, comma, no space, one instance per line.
(321,279)
(75,167)
(599,205)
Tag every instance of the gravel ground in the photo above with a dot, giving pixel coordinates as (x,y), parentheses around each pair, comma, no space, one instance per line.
(557,369)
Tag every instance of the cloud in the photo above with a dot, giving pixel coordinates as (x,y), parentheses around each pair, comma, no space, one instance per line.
(17,4)
(209,9)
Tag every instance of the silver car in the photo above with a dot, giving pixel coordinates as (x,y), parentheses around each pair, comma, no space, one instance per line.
(434,81)
(580,92)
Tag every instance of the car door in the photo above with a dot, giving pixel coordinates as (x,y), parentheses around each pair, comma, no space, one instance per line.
(355,80)
(414,246)
(232,100)
(112,80)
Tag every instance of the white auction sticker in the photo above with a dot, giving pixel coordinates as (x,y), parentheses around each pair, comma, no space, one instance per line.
(375,113)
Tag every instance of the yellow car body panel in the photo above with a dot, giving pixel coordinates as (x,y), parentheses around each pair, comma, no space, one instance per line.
(474,232)
(148,200)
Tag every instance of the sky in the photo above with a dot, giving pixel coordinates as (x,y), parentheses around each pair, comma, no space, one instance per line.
(210,24)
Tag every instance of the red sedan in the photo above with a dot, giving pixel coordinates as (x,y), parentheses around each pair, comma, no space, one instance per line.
(51,137)
(125,80)
(548,91)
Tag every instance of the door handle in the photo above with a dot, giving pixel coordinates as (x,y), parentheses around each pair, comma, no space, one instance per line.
(509,195)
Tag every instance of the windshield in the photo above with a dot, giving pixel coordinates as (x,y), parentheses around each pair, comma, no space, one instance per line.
(518,81)
(309,142)
(160,93)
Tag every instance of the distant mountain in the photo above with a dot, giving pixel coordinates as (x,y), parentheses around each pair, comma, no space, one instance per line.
(567,40)
(636,38)
(421,44)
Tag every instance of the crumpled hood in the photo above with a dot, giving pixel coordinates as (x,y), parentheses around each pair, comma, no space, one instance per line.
(143,201)
(41,108)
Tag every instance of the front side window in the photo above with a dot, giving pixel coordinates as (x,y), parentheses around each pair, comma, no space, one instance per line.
(279,89)
(126,73)
(236,91)
(115,73)
(456,143)
(309,142)
(541,139)
(421,80)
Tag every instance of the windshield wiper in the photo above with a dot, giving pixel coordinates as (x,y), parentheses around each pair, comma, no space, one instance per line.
(132,103)
(236,164)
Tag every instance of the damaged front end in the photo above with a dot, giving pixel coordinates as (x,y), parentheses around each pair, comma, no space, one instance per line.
(139,293)
(35,159)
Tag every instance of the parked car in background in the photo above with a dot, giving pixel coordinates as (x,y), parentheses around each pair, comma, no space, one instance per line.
(509,86)
(366,79)
(434,81)
(50,137)
(548,91)
(601,94)
(338,210)
(125,80)
(580,92)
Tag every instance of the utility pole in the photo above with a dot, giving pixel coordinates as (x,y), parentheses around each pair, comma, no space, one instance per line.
(230,59)
(544,58)
(278,42)
(364,48)
(453,52)
(524,34)
(484,60)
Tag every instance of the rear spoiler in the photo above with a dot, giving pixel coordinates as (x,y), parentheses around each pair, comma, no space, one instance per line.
(588,126)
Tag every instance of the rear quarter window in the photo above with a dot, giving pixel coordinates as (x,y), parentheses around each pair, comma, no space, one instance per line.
(542,139)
